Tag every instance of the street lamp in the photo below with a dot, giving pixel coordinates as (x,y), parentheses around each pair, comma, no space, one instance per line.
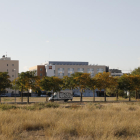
(15,85)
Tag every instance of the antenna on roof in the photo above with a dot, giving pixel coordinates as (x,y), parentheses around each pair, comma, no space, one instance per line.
(6,54)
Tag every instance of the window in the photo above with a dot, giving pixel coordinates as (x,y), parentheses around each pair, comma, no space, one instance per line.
(7,70)
(70,71)
(80,69)
(7,64)
(12,70)
(40,74)
(60,71)
(50,67)
(40,69)
(100,70)
(12,64)
(12,75)
(91,71)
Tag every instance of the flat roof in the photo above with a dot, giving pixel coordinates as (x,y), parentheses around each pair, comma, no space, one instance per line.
(67,63)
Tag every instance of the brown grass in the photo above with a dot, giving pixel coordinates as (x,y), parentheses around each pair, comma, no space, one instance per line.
(113,121)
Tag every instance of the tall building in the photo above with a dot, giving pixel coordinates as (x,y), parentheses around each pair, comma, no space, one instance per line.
(10,66)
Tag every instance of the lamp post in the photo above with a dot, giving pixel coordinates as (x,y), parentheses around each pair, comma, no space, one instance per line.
(15,85)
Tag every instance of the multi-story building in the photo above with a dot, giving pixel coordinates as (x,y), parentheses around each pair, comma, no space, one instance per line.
(66,68)
(63,68)
(10,66)
(115,72)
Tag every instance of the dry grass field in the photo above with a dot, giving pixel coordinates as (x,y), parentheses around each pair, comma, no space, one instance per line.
(77,121)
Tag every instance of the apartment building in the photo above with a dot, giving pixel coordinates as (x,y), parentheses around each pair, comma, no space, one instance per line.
(10,66)
(63,68)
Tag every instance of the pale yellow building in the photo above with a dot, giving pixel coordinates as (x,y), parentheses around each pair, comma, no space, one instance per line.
(10,66)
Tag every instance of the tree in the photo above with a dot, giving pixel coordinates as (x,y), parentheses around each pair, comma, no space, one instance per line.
(92,86)
(126,83)
(103,81)
(136,71)
(68,82)
(55,84)
(46,84)
(20,83)
(81,81)
(32,82)
(136,83)
(4,82)
(113,86)
(27,81)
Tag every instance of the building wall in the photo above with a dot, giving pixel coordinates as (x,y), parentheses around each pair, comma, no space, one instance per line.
(7,65)
(50,70)
(75,67)
(41,71)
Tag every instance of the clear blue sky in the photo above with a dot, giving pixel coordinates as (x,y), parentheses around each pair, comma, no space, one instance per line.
(103,32)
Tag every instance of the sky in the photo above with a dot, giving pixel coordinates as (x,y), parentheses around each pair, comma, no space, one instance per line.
(103,32)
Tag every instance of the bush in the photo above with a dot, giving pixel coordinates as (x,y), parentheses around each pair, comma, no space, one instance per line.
(7,107)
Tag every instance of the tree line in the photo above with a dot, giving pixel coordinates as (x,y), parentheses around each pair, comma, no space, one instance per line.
(27,81)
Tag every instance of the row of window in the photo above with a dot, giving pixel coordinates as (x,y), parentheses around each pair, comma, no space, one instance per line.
(71,71)
(12,64)
(12,70)
(82,69)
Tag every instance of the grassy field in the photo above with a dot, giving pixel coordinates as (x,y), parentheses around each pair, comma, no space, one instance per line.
(78,121)
(43,99)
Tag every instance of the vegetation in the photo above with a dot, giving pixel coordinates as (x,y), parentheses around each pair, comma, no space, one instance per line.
(81,81)
(4,82)
(27,81)
(72,122)
(102,81)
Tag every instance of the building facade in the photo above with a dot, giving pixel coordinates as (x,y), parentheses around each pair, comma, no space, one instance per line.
(115,72)
(64,68)
(10,66)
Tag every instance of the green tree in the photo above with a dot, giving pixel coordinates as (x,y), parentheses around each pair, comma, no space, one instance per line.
(46,84)
(81,82)
(68,82)
(92,86)
(103,81)
(20,83)
(32,82)
(4,82)
(56,84)
(136,82)
(113,88)
(27,81)
(136,71)
(126,83)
